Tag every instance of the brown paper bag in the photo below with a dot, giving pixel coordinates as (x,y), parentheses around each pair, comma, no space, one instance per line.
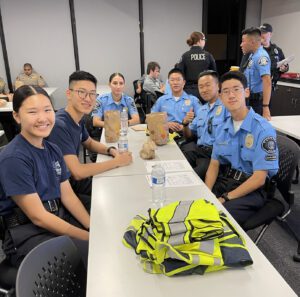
(112,125)
(158,127)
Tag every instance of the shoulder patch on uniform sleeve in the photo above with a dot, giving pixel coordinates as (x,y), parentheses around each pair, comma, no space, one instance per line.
(263,61)
(270,157)
(276,51)
(269,145)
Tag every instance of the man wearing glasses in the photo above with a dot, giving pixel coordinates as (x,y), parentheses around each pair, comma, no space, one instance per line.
(244,152)
(69,132)
(203,126)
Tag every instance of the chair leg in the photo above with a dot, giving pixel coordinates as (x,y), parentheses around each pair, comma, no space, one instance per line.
(261,233)
(296,180)
(297,256)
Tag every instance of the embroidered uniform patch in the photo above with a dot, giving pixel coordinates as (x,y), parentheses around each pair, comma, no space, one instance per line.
(263,61)
(269,145)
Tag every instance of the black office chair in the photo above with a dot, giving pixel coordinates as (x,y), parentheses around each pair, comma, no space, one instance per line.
(288,159)
(53,268)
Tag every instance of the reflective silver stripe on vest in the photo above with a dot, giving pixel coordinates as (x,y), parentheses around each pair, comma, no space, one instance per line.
(181,211)
(207,246)
(176,239)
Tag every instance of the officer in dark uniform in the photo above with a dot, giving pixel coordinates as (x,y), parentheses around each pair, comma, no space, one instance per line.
(257,70)
(244,152)
(276,54)
(194,61)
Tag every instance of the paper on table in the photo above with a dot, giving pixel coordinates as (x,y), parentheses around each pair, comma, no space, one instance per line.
(180,179)
(285,61)
(139,128)
(170,165)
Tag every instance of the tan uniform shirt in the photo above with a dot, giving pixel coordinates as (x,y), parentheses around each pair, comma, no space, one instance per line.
(31,80)
(3,87)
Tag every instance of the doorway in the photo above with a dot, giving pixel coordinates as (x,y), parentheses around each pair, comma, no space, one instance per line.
(222,24)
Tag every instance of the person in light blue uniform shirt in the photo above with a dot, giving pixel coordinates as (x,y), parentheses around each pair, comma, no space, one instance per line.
(177,104)
(257,71)
(244,153)
(116,100)
(203,127)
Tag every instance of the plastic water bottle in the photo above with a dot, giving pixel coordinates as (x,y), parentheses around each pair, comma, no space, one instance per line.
(158,178)
(124,120)
(123,143)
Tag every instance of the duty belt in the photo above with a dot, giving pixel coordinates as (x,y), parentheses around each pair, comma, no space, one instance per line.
(236,174)
(17,217)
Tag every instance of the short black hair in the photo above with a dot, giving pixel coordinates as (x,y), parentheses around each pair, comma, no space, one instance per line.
(25,91)
(234,75)
(151,66)
(176,70)
(252,31)
(213,73)
(82,75)
(112,76)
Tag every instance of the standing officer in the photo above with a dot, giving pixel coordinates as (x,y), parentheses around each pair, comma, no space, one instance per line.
(257,71)
(178,103)
(29,77)
(203,127)
(194,61)
(244,152)
(276,54)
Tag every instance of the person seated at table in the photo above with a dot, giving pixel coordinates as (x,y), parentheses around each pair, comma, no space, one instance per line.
(37,202)
(4,92)
(177,104)
(244,153)
(69,132)
(116,100)
(203,127)
(152,83)
(29,77)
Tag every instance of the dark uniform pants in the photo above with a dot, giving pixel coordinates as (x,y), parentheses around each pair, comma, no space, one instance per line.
(241,208)
(198,157)
(255,101)
(83,189)
(20,240)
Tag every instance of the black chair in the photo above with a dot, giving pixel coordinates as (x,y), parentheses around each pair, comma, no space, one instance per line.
(53,268)
(288,159)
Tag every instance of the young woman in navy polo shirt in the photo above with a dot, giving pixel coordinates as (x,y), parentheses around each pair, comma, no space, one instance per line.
(36,200)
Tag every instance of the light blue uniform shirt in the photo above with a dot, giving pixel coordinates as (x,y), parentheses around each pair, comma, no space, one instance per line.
(106,102)
(259,65)
(253,147)
(206,122)
(176,110)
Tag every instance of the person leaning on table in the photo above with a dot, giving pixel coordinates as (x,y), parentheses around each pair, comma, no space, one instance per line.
(37,202)
(69,133)
(244,153)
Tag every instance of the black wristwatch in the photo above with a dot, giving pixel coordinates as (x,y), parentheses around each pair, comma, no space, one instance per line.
(265,105)
(225,196)
(185,124)
(109,149)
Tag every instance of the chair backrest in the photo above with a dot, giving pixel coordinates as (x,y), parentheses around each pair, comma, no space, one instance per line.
(289,153)
(53,268)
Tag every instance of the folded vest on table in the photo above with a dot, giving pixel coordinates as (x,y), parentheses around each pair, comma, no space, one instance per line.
(186,237)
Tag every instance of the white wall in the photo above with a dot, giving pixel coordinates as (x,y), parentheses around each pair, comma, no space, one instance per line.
(108,38)
(167,25)
(284,16)
(39,32)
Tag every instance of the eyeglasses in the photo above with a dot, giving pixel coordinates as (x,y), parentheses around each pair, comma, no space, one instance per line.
(235,91)
(209,125)
(82,94)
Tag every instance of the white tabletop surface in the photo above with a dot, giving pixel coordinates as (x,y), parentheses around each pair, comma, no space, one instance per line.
(9,108)
(114,270)
(135,142)
(288,125)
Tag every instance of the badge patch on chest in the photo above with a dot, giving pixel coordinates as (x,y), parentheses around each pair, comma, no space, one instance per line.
(187,102)
(250,63)
(269,145)
(263,61)
(219,110)
(249,140)
(276,51)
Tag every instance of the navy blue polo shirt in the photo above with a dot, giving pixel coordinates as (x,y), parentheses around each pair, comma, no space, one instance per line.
(67,134)
(26,169)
